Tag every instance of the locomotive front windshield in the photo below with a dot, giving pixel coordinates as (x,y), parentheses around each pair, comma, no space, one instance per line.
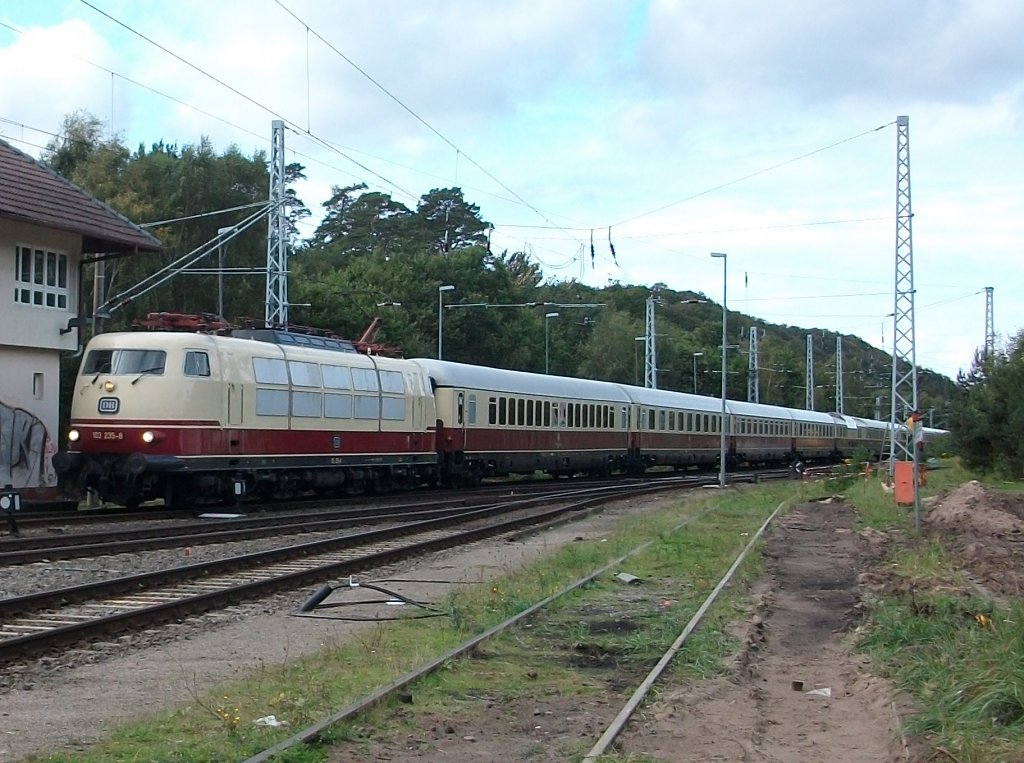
(124,362)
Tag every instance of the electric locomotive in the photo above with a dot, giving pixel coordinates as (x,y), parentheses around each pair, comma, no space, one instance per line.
(167,415)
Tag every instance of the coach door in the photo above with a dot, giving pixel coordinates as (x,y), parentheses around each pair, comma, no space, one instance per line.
(459,425)
(234,402)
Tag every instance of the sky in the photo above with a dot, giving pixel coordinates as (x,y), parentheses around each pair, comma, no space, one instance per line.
(762,130)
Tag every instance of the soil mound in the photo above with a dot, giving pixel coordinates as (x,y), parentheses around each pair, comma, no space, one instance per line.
(984,530)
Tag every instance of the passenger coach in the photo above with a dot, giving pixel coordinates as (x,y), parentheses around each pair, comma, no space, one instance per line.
(494,422)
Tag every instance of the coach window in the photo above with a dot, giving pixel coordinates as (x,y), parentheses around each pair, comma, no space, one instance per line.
(304,374)
(197,363)
(393,408)
(460,408)
(271,402)
(392,381)
(547,413)
(365,379)
(337,406)
(367,407)
(492,410)
(270,370)
(336,377)
(502,411)
(306,404)
(529,413)
(471,410)
(521,412)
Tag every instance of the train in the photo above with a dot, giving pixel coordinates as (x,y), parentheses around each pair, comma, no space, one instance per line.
(218,416)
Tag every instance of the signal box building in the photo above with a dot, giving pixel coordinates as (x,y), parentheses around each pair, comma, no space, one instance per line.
(49,229)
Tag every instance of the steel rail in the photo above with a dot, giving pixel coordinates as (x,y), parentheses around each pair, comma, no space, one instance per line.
(641,692)
(312,732)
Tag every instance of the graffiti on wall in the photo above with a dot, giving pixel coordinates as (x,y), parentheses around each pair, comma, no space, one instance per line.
(26,449)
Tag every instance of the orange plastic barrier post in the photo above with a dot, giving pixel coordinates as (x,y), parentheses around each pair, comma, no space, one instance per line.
(904,476)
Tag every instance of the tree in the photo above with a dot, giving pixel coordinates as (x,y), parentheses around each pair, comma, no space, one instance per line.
(988,415)
(448,222)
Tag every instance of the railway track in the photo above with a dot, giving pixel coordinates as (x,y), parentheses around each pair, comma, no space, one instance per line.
(160,533)
(36,624)
(197,532)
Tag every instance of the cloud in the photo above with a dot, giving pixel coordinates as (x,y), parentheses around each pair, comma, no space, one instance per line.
(45,78)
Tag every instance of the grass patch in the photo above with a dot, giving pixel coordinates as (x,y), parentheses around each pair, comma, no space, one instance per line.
(962,660)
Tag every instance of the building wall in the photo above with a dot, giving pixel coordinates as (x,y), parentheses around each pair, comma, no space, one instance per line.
(29,406)
(30,348)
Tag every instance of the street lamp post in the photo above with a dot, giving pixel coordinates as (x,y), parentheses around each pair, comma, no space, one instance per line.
(636,361)
(695,356)
(440,315)
(721,446)
(547,316)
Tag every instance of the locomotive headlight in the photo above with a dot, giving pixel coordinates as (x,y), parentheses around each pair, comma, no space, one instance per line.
(73,435)
(109,386)
(151,436)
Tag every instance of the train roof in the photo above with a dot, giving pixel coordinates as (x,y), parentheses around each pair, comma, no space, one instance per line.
(244,345)
(448,374)
(669,399)
(760,410)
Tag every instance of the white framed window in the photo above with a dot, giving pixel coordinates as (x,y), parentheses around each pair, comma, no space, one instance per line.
(40,277)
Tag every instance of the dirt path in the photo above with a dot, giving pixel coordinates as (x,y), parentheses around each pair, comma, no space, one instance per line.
(806,604)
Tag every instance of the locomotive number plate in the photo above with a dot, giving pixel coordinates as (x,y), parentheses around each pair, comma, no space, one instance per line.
(109,405)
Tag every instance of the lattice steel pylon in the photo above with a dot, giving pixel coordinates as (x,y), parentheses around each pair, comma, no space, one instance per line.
(904,353)
(651,347)
(277,235)
(809,376)
(839,374)
(990,323)
(753,381)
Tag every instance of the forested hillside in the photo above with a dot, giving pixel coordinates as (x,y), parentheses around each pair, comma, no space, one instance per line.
(373,256)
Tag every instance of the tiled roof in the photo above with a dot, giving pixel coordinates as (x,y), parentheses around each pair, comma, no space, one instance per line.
(31,192)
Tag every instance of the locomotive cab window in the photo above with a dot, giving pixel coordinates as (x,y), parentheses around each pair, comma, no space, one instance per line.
(197,363)
(125,362)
